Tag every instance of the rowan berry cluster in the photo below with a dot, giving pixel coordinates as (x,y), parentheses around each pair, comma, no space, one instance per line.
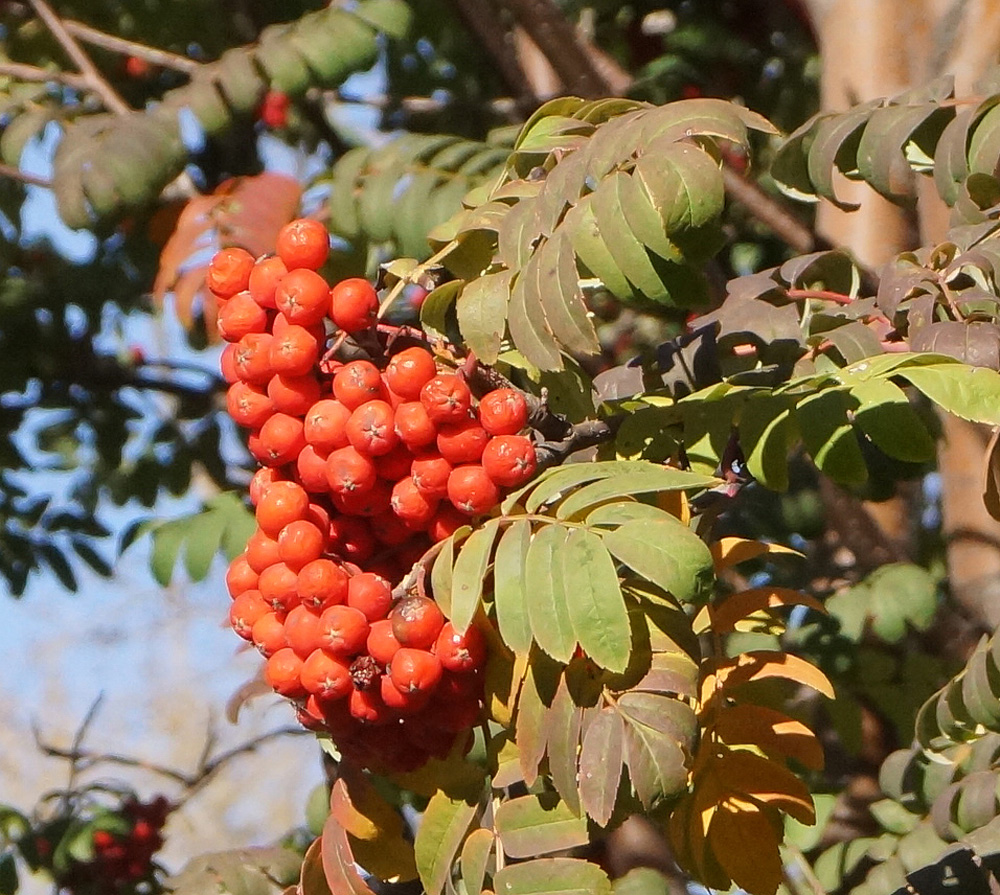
(365,465)
(121,851)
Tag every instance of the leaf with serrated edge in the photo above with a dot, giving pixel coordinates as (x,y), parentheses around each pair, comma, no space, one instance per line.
(667,553)
(647,480)
(597,608)
(510,599)
(738,606)
(972,393)
(482,314)
(469,573)
(548,609)
(440,836)
(601,764)
(757,665)
(557,282)
(538,825)
(526,322)
(562,735)
(529,728)
(658,731)
(552,876)
(731,551)
(685,184)
(774,733)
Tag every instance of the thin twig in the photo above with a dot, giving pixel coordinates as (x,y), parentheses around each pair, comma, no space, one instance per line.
(36,74)
(12,173)
(130,48)
(95,81)
(785,225)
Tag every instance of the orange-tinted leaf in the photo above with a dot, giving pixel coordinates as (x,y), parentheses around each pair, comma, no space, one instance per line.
(759,665)
(736,607)
(732,551)
(192,226)
(312,880)
(759,778)
(342,874)
(770,731)
(745,841)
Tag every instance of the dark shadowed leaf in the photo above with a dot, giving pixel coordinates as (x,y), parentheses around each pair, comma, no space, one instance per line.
(658,733)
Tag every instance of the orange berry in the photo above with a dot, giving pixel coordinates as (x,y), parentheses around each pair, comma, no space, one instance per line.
(411,505)
(460,652)
(414,670)
(229,272)
(245,610)
(282,673)
(394,465)
(349,471)
(351,538)
(262,551)
(357,382)
(240,576)
(293,395)
(461,442)
(509,460)
(413,426)
(416,622)
(371,502)
(299,543)
(409,371)
(281,439)
(281,503)
(353,304)
(268,633)
(472,491)
(310,470)
(302,630)
(370,594)
(294,351)
(301,296)
(227,364)
(303,243)
(322,583)
(446,398)
(503,411)
(249,405)
(327,676)
(261,480)
(447,520)
(326,425)
(278,585)
(403,704)
(370,429)
(264,278)
(240,316)
(252,358)
(343,630)
(382,643)
(430,474)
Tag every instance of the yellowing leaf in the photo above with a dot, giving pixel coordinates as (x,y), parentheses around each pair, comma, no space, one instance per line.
(770,731)
(374,828)
(732,551)
(745,840)
(676,503)
(733,609)
(745,773)
(760,665)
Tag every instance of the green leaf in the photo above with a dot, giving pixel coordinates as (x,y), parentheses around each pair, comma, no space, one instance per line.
(597,608)
(552,876)
(510,598)
(646,479)
(642,881)
(601,764)
(548,609)
(823,421)
(972,393)
(442,575)
(482,314)
(658,732)
(475,859)
(470,572)
(442,830)
(203,533)
(886,417)
(767,432)
(529,330)
(8,874)
(538,825)
(666,553)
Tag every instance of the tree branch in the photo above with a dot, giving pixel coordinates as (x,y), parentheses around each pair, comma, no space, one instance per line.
(36,74)
(13,173)
(95,81)
(130,48)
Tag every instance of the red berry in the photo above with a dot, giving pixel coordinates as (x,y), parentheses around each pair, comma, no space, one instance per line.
(446,398)
(274,109)
(382,643)
(409,371)
(264,280)
(278,585)
(460,652)
(326,676)
(461,442)
(249,405)
(343,630)
(326,425)
(293,395)
(239,316)
(268,634)
(403,704)
(369,503)
(279,504)
(240,576)
(300,542)
(353,304)
(394,465)
(414,670)
(310,470)
(447,520)
(301,296)
(252,358)
(351,539)
(303,243)
(229,272)
(411,505)
(370,594)
(245,610)
(280,439)
(430,475)
(294,350)
(367,706)
(357,382)
(413,426)
(416,622)
(509,460)
(503,411)
(282,673)
(262,480)
(472,491)
(370,429)
(348,471)
(262,551)
(322,583)
(302,630)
